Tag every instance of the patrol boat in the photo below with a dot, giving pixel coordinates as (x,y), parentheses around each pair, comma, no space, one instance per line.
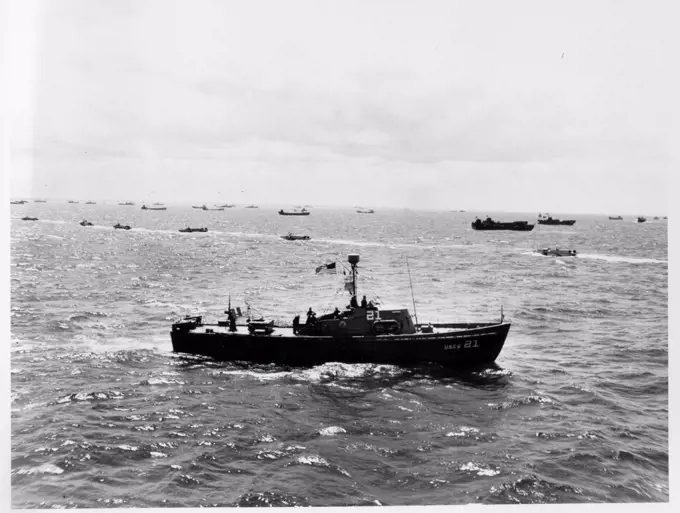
(360,334)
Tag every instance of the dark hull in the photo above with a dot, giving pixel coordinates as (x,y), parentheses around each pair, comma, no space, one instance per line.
(518,227)
(469,347)
(556,222)
(293,213)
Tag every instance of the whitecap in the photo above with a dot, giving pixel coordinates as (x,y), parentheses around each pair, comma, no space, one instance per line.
(47,468)
(481,471)
(463,431)
(331,430)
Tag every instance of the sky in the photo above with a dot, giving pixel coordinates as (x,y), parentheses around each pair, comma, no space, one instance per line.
(486,105)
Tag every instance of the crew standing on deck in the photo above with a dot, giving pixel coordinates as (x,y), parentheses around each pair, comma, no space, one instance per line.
(364,303)
(232,321)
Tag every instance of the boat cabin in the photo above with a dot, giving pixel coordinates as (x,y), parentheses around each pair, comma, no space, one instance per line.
(358,321)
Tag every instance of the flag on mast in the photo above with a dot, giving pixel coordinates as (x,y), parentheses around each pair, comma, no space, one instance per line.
(326,269)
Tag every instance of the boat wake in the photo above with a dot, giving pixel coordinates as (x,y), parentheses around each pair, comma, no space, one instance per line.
(620,259)
(607,258)
(317,374)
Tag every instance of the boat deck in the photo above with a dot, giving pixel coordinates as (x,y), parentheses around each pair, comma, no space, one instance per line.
(287,331)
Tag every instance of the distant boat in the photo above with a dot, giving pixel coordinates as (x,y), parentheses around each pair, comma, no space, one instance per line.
(71,201)
(126,203)
(556,252)
(303,212)
(546,219)
(18,202)
(615,218)
(641,219)
(27,218)
(369,211)
(39,201)
(252,206)
(290,236)
(490,224)
(119,226)
(85,222)
(191,230)
(665,217)
(90,203)
(158,203)
(225,206)
(144,207)
(656,219)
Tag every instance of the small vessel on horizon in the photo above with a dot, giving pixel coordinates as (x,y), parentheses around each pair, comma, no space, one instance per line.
(144,207)
(72,201)
(29,218)
(85,222)
(39,201)
(641,219)
(119,226)
(366,211)
(225,206)
(18,202)
(547,219)
(90,203)
(203,207)
(192,230)
(556,252)
(490,224)
(252,206)
(362,333)
(290,236)
(303,212)
(126,203)
(615,218)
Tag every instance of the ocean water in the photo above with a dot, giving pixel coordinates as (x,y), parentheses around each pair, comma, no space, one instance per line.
(104,414)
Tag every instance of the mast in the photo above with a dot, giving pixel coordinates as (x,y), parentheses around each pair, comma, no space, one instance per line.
(353,260)
(413,298)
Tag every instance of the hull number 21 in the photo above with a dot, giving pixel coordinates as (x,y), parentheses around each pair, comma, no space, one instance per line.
(467,345)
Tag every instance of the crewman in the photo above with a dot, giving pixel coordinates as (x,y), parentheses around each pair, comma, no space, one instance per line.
(232,321)
(364,303)
(353,302)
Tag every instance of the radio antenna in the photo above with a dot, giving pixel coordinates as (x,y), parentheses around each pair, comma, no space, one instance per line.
(413,298)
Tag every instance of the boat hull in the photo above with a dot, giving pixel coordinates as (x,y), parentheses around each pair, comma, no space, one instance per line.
(518,227)
(557,252)
(479,344)
(556,222)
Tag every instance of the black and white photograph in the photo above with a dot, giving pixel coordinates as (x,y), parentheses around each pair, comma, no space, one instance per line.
(338,253)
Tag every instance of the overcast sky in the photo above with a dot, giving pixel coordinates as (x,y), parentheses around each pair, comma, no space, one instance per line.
(477,105)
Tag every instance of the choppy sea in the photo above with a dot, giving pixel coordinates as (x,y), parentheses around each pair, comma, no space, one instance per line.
(104,414)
